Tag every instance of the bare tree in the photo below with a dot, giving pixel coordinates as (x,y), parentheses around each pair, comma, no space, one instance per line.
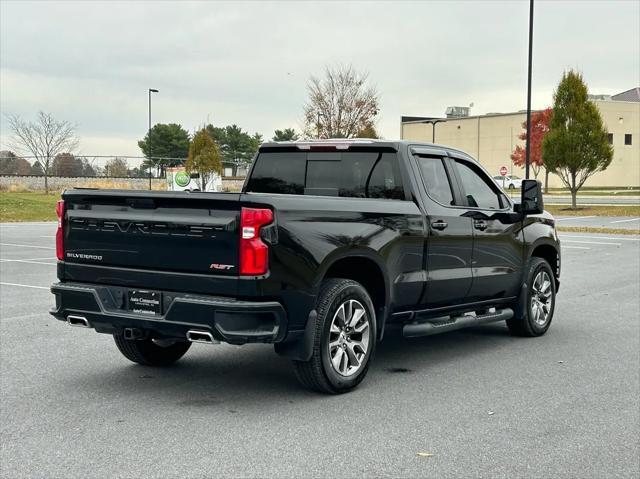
(44,139)
(341,104)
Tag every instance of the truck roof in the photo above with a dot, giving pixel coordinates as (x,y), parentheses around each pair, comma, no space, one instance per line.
(346,143)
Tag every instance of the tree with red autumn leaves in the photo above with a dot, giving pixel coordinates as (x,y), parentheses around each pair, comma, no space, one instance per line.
(540,121)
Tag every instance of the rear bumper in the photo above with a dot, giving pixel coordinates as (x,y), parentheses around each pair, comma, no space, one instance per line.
(237,322)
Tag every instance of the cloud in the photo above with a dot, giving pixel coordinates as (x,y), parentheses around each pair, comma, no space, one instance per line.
(248,63)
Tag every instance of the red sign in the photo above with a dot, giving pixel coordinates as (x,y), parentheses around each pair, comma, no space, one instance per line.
(503,171)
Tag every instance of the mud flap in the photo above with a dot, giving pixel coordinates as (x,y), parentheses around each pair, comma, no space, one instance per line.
(300,349)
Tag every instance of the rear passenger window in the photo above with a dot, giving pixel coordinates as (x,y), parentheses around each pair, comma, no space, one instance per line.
(278,172)
(365,174)
(384,180)
(479,193)
(436,179)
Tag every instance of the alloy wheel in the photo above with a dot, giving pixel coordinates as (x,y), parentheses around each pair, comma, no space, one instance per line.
(541,298)
(349,336)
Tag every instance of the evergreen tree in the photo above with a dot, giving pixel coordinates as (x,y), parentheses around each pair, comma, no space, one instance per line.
(576,146)
(236,145)
(165,141)
(288,134)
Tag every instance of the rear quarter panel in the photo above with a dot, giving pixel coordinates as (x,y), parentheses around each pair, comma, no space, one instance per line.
(314,232)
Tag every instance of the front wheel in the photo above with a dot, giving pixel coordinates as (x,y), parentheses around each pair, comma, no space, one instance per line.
(344,338)
(539,303)
(151,352)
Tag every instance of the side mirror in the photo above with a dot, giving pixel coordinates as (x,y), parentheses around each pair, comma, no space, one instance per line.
(531,202)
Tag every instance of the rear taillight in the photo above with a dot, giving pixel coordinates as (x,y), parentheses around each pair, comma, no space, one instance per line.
(60,231)
(254,253)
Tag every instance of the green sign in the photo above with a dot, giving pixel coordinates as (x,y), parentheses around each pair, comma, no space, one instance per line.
(182,179)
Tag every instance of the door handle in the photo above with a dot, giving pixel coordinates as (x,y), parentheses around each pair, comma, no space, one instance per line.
(480,225)
(439,225)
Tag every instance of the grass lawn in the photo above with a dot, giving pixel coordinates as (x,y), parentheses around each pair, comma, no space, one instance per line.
(41,207)
(634,192)
(622,210)
(27,206)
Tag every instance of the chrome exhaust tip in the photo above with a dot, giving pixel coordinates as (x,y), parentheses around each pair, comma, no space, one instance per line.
(78,321)
(196,336)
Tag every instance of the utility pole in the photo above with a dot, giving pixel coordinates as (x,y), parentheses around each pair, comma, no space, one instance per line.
(528,150)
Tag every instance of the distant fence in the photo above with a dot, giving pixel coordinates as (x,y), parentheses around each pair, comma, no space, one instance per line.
(59,183)
(101,166)
(128,172)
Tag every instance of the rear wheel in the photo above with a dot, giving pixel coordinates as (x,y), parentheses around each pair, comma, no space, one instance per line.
(151,352)
(344,339)
(539,304)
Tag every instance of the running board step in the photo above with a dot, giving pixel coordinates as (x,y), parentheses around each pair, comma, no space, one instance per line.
(444,324)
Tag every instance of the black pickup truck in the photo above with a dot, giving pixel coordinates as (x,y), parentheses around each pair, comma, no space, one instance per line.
(328,244)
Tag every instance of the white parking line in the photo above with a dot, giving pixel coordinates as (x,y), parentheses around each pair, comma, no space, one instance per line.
(562,236)
(31,259)
(51,236)
(16,225)
(593,242)
(26,246)
(574,218)
(25,261)
(626,221)
(23,285)
(575,247)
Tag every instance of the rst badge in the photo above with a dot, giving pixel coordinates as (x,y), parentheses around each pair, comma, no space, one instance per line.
(223,267)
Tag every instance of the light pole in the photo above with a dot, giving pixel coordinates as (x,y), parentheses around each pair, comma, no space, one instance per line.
(151,90)
(433,127)
(528,150)
(320,115)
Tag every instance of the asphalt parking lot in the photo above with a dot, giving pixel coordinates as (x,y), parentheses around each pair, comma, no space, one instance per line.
(475,403)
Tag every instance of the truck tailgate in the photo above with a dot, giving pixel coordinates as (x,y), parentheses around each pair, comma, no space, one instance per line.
(162,231)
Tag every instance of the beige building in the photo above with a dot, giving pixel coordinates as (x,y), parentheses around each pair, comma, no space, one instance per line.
(492,137)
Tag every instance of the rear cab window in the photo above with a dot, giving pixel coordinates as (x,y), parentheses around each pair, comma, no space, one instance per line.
(352,174)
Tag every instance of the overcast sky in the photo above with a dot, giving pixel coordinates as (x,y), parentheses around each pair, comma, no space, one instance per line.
(248,63)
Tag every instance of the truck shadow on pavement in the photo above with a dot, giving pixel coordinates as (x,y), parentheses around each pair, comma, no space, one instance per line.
(253,375)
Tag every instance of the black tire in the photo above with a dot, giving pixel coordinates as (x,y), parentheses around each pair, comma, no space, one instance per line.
(524,321)
(149,353)
(319,374)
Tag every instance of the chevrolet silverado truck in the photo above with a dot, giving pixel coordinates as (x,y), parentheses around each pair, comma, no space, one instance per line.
(329,244)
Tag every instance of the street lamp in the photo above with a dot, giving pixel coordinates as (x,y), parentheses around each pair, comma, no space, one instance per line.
(151,90)
(433,127)
(528,146)
(320,115)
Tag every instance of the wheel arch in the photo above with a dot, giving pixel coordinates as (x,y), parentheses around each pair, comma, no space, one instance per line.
(549,252)
(368,269)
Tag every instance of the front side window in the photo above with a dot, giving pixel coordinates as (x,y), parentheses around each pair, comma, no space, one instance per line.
(478,191)
(436,179)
